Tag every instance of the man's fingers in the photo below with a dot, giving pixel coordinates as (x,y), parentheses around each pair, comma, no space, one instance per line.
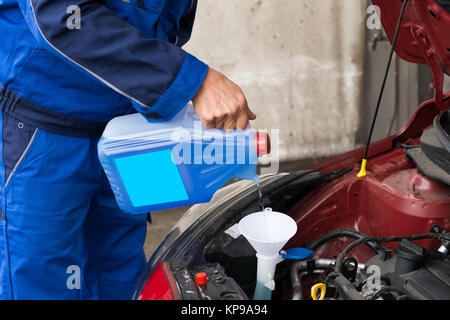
(209,123)
(221,124)
(221,104)
(242,121)
(230,123)
(238,121)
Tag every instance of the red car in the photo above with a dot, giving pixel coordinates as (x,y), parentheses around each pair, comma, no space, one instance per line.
(394,220)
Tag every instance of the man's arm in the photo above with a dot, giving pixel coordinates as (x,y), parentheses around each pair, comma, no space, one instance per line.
(158,77)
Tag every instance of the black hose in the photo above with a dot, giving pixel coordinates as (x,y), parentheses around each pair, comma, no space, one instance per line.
(339,233)
(361,241)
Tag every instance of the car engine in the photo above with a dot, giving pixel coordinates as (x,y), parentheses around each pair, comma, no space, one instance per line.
(411,273)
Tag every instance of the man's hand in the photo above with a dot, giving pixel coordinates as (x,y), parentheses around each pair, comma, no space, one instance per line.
(221,104)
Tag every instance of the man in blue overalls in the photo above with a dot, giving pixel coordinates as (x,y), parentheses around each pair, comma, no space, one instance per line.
(68,67)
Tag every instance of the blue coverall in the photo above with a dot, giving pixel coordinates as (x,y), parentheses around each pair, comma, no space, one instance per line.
(62,235)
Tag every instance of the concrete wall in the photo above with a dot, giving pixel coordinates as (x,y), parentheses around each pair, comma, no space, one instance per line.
(299,63)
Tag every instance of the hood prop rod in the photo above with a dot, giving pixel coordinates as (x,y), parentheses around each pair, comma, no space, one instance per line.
(363,171)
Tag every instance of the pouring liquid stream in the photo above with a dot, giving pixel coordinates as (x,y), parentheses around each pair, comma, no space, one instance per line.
(263,211)
(261,202)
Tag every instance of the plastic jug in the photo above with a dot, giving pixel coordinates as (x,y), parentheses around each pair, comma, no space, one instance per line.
(153,166)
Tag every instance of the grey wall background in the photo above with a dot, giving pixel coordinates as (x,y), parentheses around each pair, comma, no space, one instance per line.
(300,63)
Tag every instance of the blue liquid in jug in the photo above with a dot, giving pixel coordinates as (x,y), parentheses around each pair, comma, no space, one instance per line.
(162,165)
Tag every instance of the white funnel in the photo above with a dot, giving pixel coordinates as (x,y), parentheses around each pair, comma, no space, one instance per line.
(267,232)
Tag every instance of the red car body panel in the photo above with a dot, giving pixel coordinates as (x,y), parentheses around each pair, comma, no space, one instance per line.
(157,286)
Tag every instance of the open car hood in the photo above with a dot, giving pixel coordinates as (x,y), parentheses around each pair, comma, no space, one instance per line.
(424,36)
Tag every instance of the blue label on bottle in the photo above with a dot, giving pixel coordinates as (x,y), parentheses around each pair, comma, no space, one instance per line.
(151,178)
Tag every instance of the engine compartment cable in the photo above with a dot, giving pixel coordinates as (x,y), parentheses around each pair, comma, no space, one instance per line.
(339,233)
(359,242)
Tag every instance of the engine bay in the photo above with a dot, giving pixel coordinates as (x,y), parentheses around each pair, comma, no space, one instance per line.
(381,238)
(406,272)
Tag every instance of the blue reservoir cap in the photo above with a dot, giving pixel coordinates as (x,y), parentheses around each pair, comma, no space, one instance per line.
(296,254)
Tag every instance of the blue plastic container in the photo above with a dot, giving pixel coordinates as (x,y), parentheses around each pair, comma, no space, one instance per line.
(162,165)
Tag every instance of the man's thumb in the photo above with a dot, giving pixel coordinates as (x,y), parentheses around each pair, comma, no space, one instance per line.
(251,115)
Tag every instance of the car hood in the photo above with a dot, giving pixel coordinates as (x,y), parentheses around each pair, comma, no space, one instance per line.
(423,37)
(431,17)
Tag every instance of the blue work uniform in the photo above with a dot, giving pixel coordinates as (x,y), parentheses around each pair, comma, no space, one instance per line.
(68,67)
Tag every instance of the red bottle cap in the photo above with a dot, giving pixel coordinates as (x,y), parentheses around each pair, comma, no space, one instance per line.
(262,144)
(201,278)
